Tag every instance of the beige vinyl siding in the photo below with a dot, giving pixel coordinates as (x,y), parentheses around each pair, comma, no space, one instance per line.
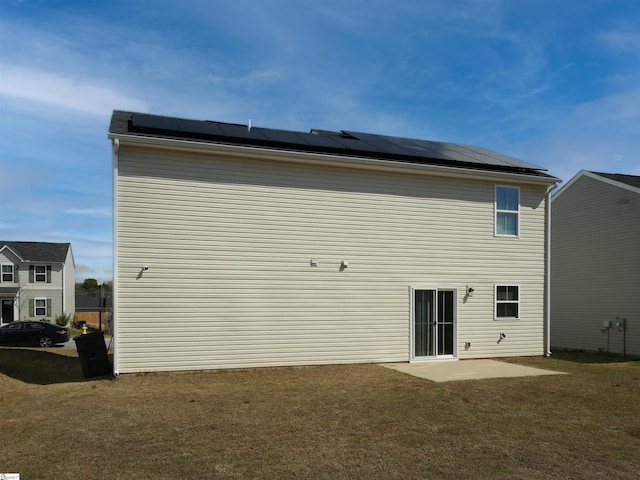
(229,244)
(595,266)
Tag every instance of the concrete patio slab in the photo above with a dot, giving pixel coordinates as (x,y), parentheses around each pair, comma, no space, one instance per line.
(447,371)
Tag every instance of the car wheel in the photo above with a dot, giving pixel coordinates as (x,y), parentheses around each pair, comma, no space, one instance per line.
(45,342)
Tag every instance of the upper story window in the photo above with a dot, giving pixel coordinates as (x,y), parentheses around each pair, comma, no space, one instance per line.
(507,211)
(40,273)
(7,273)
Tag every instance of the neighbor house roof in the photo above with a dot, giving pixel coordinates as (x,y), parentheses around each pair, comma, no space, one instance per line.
(91,302)
(344,143)
(631,180)
(38,251)
(619,180)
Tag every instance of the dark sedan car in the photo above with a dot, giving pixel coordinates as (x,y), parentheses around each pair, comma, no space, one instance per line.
(27,334)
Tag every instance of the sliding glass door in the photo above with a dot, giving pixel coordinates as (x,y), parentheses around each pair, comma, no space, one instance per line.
(433,323)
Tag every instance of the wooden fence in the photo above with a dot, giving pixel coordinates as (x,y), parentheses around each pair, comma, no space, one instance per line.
(93,319)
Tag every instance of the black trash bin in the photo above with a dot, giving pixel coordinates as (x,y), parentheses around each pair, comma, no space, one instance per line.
(92,353)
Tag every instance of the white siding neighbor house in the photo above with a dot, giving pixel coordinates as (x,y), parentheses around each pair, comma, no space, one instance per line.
(37,281)
(595,250)
(238,246)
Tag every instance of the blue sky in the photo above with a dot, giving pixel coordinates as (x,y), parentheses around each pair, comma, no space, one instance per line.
(554,83)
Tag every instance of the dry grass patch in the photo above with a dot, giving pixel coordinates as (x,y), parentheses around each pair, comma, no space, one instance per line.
(360,421)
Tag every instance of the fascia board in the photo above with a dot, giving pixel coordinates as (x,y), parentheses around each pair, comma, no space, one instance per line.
(341,161)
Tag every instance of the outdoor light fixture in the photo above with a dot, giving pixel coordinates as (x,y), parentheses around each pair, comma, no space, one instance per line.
(344,264)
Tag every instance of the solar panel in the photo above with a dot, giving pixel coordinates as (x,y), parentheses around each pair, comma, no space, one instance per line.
(446,151)
(241,131)
(323,140)
(345,142)
(284,136)
(154,122)
(417,148)
(198,127)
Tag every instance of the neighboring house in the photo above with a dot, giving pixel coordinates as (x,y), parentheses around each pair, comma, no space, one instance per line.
(595,274)
(37,280)
(242,247)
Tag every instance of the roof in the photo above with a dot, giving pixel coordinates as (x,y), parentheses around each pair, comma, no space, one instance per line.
(9,290)
(91,302)
(626,182)
(38,251)
(631,180)
(345,143)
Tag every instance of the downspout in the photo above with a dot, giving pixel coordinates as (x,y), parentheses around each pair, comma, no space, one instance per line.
(114,294)
(63,291)
(547,269)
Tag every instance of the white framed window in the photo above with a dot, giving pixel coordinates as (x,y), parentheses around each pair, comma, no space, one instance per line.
(7,272)
(40,273)
(507,302)
(40,307)
(507,211)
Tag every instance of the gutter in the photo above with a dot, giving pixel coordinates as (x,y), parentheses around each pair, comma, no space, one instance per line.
(336,160)
(547,270)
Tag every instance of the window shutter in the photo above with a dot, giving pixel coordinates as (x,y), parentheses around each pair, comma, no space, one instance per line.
(31,270)
(48,273)
(32,307)
(48,307)
(15,273)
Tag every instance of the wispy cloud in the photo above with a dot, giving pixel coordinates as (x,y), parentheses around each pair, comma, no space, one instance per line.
(622,41)
(65,92)
(101,212)
(615,112)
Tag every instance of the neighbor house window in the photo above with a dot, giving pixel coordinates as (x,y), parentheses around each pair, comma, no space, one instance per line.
(7,273)
(40,306)
(507,211)
(507,302)
(40,273)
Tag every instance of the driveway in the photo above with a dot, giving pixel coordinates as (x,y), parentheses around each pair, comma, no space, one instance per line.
(72,344)
(447,371)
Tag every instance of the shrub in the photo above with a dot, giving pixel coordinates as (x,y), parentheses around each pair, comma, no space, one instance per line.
(63,319)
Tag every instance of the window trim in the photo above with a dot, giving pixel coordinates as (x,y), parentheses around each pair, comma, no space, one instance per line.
(496,301)
(497,211)
(13,273)
(35,307)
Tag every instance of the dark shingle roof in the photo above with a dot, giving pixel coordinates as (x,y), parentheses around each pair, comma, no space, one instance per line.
(39,251)
(346,143)
(631,180)
(91,302)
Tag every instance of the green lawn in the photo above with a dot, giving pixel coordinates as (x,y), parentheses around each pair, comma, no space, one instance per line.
(356,421)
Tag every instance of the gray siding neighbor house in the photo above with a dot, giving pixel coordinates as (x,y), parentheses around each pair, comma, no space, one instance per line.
(595,274)
(37,280)
(237,246)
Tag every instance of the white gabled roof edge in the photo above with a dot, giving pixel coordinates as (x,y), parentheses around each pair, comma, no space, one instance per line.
(7,247)
(594,176)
